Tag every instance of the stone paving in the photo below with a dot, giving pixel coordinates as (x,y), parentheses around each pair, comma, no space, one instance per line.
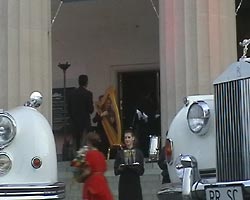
(151,181)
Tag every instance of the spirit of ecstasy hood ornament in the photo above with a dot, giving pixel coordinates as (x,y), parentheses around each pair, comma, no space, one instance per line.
(245,44)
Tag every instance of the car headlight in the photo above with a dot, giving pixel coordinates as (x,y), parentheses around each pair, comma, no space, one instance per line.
(198,117)
(7,129)
(5,164)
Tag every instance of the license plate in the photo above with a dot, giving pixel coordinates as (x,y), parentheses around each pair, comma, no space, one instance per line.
(224,193)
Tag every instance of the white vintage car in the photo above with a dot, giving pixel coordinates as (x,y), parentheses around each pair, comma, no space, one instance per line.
(28,161)
(208,142)
(194,126)
(192,132)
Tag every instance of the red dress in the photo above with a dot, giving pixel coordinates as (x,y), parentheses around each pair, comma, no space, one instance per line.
(96,186)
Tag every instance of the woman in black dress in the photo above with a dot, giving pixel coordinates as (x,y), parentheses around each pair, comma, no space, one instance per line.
(129,164)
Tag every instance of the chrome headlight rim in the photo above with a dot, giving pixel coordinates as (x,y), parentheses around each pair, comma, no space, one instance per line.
(13,128)
(5,164)
(198,116)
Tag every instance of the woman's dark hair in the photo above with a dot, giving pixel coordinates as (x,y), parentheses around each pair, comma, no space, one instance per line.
(93,139)
(129,131)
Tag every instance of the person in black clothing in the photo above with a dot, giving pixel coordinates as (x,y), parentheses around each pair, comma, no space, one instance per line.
(129,164)
(100,130)
(80,106)
(163,166)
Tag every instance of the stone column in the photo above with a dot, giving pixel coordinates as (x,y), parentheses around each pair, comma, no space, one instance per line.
(197,43)
(3,53)
(25,58)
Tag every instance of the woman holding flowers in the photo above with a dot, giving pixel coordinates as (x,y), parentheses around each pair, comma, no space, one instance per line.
(95,186)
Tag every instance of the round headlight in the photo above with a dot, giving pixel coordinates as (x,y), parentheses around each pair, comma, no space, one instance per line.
(198,117)
(7,129)
(5,164)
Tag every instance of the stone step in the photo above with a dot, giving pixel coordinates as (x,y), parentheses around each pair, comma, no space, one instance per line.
(150,181)
(150,184)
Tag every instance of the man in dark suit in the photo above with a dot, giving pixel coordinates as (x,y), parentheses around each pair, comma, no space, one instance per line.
(80,106)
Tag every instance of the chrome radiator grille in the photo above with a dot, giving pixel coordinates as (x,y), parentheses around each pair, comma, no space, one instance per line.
(232,121)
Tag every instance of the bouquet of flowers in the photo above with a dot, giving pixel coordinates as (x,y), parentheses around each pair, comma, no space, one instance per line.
(81,170)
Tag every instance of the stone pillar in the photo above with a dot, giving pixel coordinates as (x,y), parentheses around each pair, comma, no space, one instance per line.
(197,43)
(3,53)
(25,58)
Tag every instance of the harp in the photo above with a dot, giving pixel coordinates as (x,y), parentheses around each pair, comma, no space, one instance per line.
(111,122)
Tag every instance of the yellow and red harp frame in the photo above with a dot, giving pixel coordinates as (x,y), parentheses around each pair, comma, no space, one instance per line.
(112,127)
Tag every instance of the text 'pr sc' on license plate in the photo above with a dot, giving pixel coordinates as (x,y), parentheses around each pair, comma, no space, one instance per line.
(224,193)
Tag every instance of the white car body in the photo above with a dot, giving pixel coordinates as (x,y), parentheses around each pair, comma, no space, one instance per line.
(207,146)
(33,140)
(202,147)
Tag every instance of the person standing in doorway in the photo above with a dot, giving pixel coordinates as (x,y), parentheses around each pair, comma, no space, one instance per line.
(80,106)
(129,164)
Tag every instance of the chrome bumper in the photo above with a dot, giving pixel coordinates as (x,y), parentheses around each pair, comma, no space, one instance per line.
(193,187)
(171,191)
(198,190)
(28,192)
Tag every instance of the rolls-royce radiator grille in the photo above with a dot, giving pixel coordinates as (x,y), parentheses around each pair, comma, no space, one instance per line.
(232,121)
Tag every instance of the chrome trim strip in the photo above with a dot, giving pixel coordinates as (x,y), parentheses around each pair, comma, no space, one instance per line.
(207,173)
(43,191)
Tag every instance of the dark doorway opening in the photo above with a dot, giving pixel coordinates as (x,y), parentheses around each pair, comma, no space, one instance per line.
(139,97)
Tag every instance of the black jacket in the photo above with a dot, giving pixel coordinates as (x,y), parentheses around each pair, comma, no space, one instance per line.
(80,106)
(129,181)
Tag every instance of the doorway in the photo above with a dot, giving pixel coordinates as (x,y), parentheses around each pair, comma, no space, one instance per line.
(139,97)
